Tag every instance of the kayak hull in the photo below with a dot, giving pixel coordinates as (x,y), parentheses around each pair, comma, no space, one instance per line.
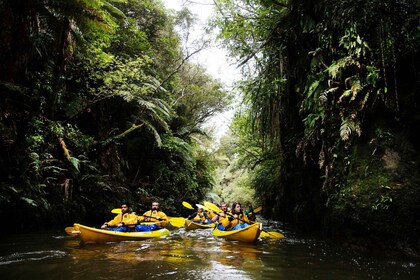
(191,225)
(94,235)
(248,234)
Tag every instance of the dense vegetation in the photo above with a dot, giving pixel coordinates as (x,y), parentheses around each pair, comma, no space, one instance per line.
(99,104)
(328,127)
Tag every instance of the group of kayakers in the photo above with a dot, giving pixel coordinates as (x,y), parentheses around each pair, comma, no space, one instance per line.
(154,219)
(127,221)
(234,219)
(227,219)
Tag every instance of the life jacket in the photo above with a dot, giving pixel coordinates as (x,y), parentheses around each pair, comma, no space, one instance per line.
(200,217)
(128,219)
(154,216)
(210,214)
(230,222)
(221,217)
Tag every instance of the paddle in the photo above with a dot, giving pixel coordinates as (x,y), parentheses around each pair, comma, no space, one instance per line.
(187,205)
(116,210)
(175,221)
(202,206)
(264,233)
(257,210)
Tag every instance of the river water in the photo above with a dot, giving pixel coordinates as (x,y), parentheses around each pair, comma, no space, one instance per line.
(193,255)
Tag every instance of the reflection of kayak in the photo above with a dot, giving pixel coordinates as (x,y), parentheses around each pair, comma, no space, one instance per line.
(247,234)
(190,225)
(94,235)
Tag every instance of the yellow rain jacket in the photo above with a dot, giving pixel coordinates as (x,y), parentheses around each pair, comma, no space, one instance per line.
(220,218)
(232,220)
(210,214)
(200,217)
(154,216)
(128,219)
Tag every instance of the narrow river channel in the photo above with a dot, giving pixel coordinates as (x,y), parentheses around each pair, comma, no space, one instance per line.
(193,255)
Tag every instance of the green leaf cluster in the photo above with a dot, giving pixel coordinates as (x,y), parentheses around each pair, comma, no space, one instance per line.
(102,105)
(319,78)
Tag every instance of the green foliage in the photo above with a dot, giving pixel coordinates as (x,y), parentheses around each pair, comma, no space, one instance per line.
(233,181)
(368,192)
(100,107)
(197,97)
(320,77)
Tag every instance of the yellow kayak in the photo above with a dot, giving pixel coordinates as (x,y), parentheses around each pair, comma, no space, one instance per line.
(190,225)
(72,231)
(94,235)
(247,234)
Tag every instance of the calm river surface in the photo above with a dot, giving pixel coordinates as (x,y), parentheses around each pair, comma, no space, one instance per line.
(193,255)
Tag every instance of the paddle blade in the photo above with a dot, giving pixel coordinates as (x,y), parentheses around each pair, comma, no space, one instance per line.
(187,205)
(257,210)
(116,210)
(212,207)
(271,234)
(202,206)
(177,222)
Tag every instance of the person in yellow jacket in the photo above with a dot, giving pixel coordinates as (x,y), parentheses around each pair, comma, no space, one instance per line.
(219,217)
(199,217)
(236,219)
(210,216)
(124,221)
(154,215)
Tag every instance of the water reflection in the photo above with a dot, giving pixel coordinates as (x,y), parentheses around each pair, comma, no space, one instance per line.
(192,254)
(31,256)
